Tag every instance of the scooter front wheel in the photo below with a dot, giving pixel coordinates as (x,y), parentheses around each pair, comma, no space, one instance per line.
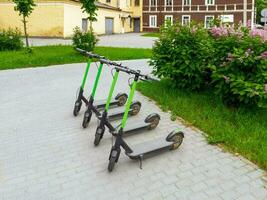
(111,164)
(98,135)
(86,118)
(77,107)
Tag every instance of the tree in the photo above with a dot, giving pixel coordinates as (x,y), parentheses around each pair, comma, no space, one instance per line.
(260,4)
(90,8)
(25,8)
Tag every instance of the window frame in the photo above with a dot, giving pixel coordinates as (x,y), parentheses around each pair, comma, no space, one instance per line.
(206,16)
(168,1)
(166,16)
(189,16)
(150,3)
(209,4)
(150,21)
(189,4)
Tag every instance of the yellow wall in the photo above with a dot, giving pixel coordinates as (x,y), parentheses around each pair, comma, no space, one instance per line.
(40,23)
(58,18)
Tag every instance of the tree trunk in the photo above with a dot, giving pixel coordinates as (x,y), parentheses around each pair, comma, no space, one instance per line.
(25,32)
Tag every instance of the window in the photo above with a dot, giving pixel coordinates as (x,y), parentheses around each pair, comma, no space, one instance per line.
(136,2)
(208,20)
(186,2)
(153,2)
(186,19)
(152,21)
(168,2)
(210,2)
(169,18)
(107,1)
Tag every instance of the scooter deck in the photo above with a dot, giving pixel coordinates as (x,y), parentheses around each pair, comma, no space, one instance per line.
(149,147)
(134,127)
(100,104)
(116,113)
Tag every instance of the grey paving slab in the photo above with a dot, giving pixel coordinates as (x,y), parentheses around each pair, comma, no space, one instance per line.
(45,154)
(132,40)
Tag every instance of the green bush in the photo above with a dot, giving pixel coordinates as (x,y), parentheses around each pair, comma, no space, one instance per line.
(84,40)
(10,39)
(184,54)
(241,80)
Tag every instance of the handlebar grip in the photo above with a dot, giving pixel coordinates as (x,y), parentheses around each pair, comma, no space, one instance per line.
(80,50)
(147,77)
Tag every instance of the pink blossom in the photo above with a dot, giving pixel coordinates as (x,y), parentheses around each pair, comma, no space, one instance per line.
(263,55)
(258,32)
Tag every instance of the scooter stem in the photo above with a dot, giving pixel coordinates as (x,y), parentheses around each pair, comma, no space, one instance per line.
(114,81)
(97,79)
(86,72)
(129,101)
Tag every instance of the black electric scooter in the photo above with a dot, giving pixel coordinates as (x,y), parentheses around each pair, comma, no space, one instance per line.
(171,142)
(150,122)
(119,100)
(91,108)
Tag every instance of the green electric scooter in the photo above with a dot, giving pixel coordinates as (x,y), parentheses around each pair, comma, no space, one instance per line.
(171,142)
(92,108)
(119,100)
(150,122)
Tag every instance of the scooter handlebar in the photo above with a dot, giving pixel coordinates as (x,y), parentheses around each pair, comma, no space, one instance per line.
(89,54)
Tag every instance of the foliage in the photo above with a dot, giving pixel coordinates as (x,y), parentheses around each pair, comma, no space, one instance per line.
(242,78)
(90,8)
(25,8)
(84,40)
(230,59)
(10,39)
(183,53)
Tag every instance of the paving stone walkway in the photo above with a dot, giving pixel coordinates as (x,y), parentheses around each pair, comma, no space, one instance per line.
(45,154)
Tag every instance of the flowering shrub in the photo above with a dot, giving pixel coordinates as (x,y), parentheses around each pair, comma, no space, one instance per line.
(242,78)
(183,53)
(232,59)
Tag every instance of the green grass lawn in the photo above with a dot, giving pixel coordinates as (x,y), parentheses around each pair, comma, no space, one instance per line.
(152,34)
(241,130)
(53,55)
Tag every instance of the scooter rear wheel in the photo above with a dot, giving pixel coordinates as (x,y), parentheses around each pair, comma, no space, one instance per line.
(176,138)
(86,118)
(77,107)
(122,99)
(136,106)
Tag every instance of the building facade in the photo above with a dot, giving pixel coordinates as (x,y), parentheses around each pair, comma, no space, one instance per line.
(156,12)
(57,18)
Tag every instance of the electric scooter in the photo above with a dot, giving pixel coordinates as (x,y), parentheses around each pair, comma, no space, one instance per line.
(91,108)
(171,142)
(150,122)
(119,100)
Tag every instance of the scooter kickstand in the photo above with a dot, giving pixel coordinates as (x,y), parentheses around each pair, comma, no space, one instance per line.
(140,161)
